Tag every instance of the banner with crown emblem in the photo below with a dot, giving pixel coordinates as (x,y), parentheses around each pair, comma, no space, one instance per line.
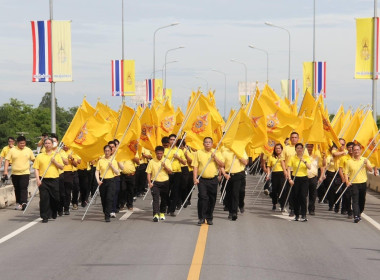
(61,50)
(129,78)
(365,37)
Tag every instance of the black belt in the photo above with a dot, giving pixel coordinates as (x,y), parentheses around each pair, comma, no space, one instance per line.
(241,172)
(208,178)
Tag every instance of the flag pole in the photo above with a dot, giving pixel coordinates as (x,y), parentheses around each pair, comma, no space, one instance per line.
(118,121)
(53,108)
(375,64)
(113,157)
(225,185)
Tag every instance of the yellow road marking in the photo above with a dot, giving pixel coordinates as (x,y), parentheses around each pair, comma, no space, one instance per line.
(196,264)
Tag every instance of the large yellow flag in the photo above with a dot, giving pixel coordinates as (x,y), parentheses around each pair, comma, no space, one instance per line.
(165,121)
(61,50)
(92,136)
(158,89)
(129,78)
(168,95)
(259,121)
(239,134)
(125,118)
(148,130)
(364,48)
(108,114)
(352,128)
(308,79)
(338,118)
(129,143)
(211,98)
(179,117)
(84,111)
(308,104)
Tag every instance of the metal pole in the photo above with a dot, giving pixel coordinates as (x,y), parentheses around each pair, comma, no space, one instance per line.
(314,32)
(122,40)
(253,47)
(53,114)
(225,89)
(166,54)
(374,79)
(245,70)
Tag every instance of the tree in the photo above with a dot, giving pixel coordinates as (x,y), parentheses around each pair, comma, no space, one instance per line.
(46,101)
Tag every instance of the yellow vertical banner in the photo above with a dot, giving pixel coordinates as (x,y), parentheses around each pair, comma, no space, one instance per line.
(61,51)
(168,95)
(364,48)
(284,88)
(129,78)
(308,79)
(158,90)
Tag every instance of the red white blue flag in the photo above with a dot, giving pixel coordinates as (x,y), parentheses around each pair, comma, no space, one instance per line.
(149,90)
(42,55)
(320,78)
(117,78)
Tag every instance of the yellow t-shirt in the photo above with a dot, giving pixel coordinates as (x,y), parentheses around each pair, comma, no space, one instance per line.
(330,165)
(129,167)
(190,154)
(200,160)
(352,166)
(290,151)
(302,170)
(102,166)
(276,167)
(228,157)
(69,166)
(154,165)
(5,151)
(83,165)
(145,152)
(42,162)
(20,159)
(315,162)
(342,162)
(176,164)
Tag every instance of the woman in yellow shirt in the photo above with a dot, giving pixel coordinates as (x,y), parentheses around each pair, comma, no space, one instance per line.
(106,170)
(48,164)
(276,166)
(298,166)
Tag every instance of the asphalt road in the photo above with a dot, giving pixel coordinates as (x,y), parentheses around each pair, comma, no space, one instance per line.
(261,244)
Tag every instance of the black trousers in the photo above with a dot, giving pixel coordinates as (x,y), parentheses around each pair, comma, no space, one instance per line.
(183,183)
(175,191)
(68,187)
(207,190)
(358,192)
(83,184)
(61,192)
(160,190)
(234,186)
(242,192)
(76,188)
(21,183)
(115,205)
(49,197)
(140,181)
(300,190)
(93,184)
(126,190)
(107,191)
(346,200)
(313,182)
(189,186)
(331,195)
(278,180)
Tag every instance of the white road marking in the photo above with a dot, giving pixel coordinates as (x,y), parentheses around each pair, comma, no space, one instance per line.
(18,231)
(371,221)
(129,213)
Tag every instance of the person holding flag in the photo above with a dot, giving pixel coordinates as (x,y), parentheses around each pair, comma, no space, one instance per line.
(346,199)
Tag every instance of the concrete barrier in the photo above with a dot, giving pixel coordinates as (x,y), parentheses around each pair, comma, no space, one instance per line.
(373,182)
(7,194)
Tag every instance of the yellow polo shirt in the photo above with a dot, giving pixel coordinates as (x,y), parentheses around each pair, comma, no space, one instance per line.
(276,167)
(5,151)
(154,165)
(191,156)
(42,162)
(352,166)
(290,151)
(129,167)
(315,162)
(228,157)
(343,161)
(200,160)
(145,152)
(176,164)
(20,159)
(102,166)
(302,170)
(68,167)
(83,165)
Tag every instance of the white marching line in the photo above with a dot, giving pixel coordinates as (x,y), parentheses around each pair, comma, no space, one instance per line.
(371,221)
(20,230)
(129,213)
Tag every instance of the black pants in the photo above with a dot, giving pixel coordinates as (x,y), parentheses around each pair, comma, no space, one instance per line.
(175,192)
(346,200)
(358,192)
(278,180)
(68,187)
(140,181)
(61,192)
(285,194)
(93,184)
(75,193)
(21,183)
(183,183)
(234,186)
(83,184)
(331,195)
(242,192)
(126,190)
(207,190)
(312,193)
(49,197)
(116,194)
(107,190)
(160,190)
(189,187)
(299,190)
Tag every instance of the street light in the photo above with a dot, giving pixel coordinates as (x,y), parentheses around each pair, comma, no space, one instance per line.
(166,54)
(225,89)
(253,47)
(154,43)
(245,68)
(197,77)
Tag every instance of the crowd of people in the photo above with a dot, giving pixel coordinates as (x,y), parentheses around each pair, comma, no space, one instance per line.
(293,174)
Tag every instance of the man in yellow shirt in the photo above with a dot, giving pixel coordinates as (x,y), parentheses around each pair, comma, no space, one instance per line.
(206,165)
(234,172)
(357,167)
(127,186)
(140,182)
(68,174)
(346,198)
(159,170)
(5,150)
(20,156)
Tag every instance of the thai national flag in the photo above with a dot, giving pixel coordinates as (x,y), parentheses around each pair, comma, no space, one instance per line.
(149,90)
(117,78)
(42,58)
(293,91)
(320,78)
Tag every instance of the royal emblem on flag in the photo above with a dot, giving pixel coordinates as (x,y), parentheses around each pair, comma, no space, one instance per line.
(326,125)
(365,53)
(146,132)
(168,123)
(81,136)
(272,122)
(270,145)
(200,124)
(133,145)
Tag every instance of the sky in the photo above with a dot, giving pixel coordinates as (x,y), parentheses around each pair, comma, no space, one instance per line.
(212,31)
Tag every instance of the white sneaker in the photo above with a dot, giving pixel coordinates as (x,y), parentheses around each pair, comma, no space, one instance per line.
(113,215)
(16,206)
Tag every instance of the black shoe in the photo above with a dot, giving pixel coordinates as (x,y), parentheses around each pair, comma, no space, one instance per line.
(60,213)
(84,204)
(349,216)
(67,212)
(234,217)
(296,218)
(241,210)
(291,214)
(274,207)
(201,221)
(209,222)
(23,206)
(312,213)
(44,221)
(185,205)
(230,217)
(178,207)
(330,208)
(117,210)
(336,210)
(303,219)
(54,215)
(172,214)
(343,212)
(356,220)
(107,219)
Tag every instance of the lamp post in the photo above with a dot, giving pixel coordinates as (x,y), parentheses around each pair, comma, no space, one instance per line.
(225,89)
(245,69)
(197,77)
(154,43)
(166,54)
(262,50)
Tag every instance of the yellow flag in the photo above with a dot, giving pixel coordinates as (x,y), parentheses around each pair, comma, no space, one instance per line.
(308,79)
(61,51)
(179,117)
(148,130)
(129,78)
(108,114)
(126,116)
(129,144)
(259,121)
(308,104)
(158,89)
(168,95)
(352,128)
(211,98)
(364,48)
(165,121)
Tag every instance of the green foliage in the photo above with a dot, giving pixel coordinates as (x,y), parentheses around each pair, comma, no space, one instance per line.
(16,116)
